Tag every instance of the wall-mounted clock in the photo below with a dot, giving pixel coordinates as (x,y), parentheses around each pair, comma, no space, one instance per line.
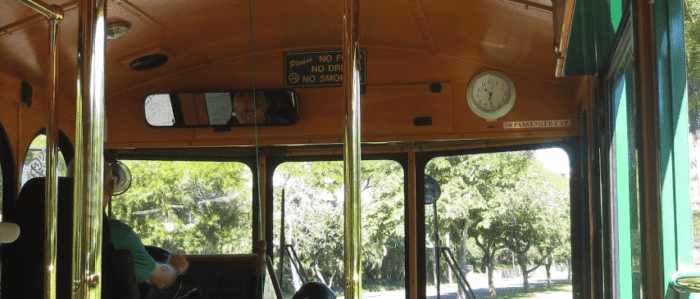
(491,95)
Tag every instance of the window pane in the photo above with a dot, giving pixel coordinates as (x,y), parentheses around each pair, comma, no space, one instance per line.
(313,226)
(159,110)
(693,85)
(624,181)
(497,216)
(189,207)
(35,161)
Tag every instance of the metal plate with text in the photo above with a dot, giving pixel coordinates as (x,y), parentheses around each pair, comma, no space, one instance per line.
(318,69)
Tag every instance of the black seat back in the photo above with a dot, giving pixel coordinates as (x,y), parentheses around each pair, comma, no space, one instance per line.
(119,276)
(23,260)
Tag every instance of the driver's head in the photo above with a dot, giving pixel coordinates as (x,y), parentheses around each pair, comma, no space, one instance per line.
(109,184)
(314,290)
(247,108)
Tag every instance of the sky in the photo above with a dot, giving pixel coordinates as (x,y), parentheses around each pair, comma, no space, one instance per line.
(555,159)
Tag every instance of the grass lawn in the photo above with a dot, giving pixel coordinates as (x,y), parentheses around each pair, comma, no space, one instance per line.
(557,291)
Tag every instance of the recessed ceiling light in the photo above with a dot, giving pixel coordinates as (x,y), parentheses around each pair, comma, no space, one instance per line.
(117,29)
(149,62)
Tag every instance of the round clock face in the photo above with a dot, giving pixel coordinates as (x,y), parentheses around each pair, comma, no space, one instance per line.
(491,95)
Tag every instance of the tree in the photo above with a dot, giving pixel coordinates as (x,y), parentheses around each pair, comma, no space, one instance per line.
(692,46)
(191,207)
(537,219)
(475,192)
(314,217)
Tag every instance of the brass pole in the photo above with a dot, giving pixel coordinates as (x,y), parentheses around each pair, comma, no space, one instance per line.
(412,226)
(89,159)
(48,11)
(51,192)
(652,257)
(352,151)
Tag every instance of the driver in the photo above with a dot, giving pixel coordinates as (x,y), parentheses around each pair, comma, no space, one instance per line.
(160,275)
(249,109)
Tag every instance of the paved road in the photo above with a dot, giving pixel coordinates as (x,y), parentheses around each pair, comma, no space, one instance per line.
(485,291)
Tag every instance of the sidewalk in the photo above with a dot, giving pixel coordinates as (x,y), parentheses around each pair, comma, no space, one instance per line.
(506,286)
(479,284)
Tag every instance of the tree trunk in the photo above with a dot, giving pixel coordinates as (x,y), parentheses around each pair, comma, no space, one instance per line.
(522,261)
(449,270)
(548,266)
(462,260)
(435,274)
(568,269)
(295,276)
(488,260)
(318,273)
(330,280)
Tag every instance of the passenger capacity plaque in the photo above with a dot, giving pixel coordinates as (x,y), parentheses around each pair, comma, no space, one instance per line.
(318,69)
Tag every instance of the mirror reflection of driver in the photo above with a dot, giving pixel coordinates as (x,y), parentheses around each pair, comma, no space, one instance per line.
(248,110)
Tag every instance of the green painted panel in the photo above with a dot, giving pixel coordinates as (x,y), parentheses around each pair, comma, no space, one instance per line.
(592,34)
(673,137)
(680,135)
(668,227)
(622,185)
(616,9)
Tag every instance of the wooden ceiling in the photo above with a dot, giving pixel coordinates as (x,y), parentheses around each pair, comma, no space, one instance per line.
(503,34)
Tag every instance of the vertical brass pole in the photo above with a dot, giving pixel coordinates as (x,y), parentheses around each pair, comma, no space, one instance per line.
(262,198)
(89,160)
(51,195)
(54,14)
(650,200)
(352,150)
(412,227)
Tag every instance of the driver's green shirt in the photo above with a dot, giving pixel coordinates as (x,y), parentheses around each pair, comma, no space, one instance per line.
(124,237)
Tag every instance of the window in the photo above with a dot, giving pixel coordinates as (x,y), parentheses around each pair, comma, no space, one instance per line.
(624,179)
(693,85)
(497,216)
(35,161)
(189,207)
(309,222)
(159,110)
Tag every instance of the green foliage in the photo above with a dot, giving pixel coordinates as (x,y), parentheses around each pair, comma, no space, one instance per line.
(538,219)
(190,207)
(500,200)
(489,202)
(314,219)
(692,47)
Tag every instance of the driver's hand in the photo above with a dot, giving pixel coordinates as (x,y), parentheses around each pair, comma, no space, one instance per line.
(179,262)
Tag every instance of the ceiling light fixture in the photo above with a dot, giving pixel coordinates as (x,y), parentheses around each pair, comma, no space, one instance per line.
(117,29)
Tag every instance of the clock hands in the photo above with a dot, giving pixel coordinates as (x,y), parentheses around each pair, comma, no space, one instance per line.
(490,95)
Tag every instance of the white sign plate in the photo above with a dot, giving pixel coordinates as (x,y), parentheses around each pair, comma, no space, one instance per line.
(534,124)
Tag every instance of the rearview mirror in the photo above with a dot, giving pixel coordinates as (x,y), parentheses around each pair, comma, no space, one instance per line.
(269,107)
